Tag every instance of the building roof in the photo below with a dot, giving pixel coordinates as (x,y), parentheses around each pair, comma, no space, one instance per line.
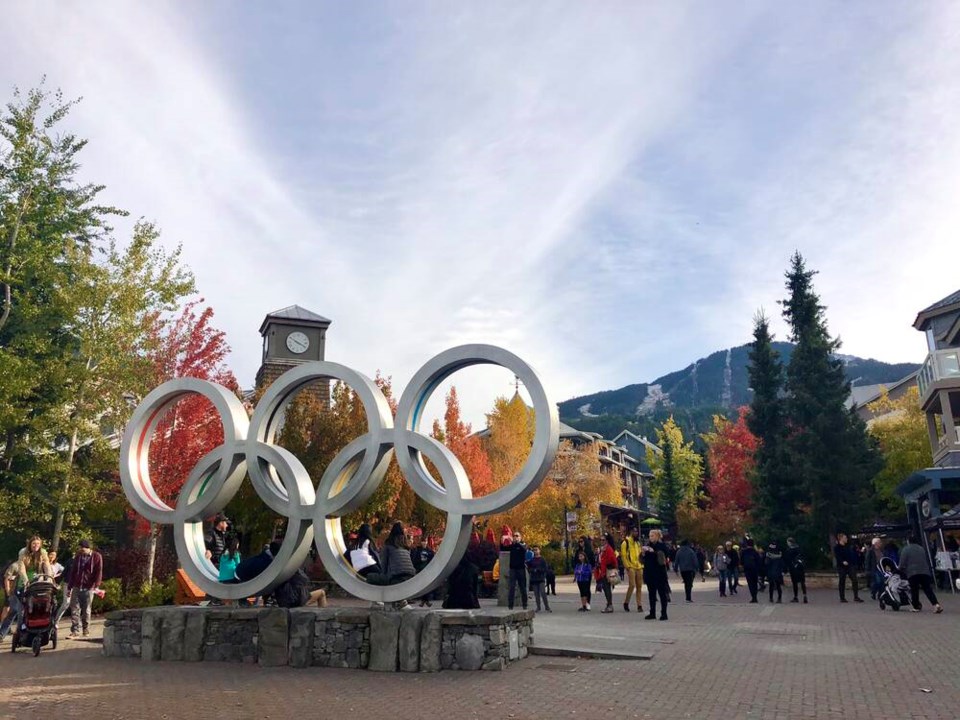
(861,395)
(297,314)
(641,440)
(947,304)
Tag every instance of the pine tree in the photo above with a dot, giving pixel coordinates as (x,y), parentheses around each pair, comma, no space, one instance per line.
(826,446)
(774,489)
(677,472)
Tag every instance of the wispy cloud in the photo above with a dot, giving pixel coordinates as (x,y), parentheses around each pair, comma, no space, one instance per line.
(610,191)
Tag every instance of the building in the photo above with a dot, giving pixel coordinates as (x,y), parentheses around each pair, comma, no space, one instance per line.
(636,448)
(293,336)
(862,395)
(932,495)
(633,471)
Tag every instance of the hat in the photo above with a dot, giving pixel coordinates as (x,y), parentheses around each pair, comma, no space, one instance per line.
(84,543)
(220,518)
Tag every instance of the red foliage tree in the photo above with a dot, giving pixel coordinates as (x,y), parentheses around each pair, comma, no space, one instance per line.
(457,435)
(184,346)
(730,455)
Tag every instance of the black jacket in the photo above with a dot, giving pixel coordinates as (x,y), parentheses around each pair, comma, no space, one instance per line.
(750,559)
(734,558)
(538,570)
(653,570)
(518,556)
(421,557)
(216,543)
(774,566)
(845,553)
(251,567)
(793,559)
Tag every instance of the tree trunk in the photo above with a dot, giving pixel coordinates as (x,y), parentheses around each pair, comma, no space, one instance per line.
(58,523)
(152,552)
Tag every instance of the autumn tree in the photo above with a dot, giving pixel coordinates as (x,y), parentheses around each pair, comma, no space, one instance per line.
(677,472)
(731,448)
(186,345)
(900,428)
(511,427)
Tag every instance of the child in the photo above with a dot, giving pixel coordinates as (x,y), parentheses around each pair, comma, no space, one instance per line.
(583,574)
(551,586)
(538,576)
(229,561)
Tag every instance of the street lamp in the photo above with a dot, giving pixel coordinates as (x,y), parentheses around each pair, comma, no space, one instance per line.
(566,527)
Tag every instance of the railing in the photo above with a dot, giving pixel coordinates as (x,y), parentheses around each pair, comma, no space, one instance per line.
(945,440)
(938,366)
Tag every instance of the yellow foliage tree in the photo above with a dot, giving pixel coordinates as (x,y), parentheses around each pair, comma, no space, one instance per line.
(901,430)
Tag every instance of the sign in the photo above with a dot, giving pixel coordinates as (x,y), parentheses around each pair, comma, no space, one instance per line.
(314,509)
(571,516)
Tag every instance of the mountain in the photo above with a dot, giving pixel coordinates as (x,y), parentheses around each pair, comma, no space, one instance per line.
(714,383)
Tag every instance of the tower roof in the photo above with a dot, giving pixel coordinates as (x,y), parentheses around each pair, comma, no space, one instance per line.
(295,314)
(947,304)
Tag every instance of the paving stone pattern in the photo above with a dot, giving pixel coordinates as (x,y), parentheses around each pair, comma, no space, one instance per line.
(715,659)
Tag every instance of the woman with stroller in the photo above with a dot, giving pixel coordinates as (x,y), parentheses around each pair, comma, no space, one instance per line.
(33,562)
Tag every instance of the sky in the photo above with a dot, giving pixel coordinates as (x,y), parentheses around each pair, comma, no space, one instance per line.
(611,191)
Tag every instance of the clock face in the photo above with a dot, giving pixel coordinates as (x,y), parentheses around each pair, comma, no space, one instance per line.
(297,342)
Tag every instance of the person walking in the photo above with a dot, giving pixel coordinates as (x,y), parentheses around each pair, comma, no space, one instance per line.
(631,553)
(655,574)
(701,561)
(86,574)
(775,571)
(583,575)
(915,567)
(721,561)
(607,571)
(793,559)
(733,567)
(538,578)
(686,562)
(750,559)
(518,571)
(847,562)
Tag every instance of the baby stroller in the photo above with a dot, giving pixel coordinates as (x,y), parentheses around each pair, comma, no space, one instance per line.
(895,587)
(36,625)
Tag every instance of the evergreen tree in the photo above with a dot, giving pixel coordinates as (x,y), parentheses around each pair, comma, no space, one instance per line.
(826,446)
(677,473)
(775,493)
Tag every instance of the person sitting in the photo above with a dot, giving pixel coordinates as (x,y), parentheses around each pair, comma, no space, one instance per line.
(462,586)
(363,555)
(395,563)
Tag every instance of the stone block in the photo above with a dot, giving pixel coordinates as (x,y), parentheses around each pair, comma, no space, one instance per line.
(384,641)
(272,634)
(514,641)
(353,657)
(503,584)
(194,636)
(469,654)
(173,625)
(495,663)
(150,636)
(431,636)
(498,634)
(411,626)
(300,652)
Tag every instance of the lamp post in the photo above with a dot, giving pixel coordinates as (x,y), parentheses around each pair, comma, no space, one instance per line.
(566,528)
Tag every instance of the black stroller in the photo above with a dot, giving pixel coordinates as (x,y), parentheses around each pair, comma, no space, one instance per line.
(896,589)
(36,626)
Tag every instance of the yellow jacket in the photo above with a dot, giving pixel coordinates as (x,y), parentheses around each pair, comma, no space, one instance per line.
(631,554)
(496,569)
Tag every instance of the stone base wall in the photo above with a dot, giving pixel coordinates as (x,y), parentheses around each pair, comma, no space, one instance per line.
(362,638)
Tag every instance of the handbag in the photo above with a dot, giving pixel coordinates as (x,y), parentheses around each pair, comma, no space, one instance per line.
(613,577)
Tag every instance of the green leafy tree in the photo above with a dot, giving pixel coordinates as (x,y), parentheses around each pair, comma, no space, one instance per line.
(900,428)
(677,472)
(827,450)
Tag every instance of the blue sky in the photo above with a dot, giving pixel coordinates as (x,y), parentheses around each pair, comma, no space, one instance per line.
(609,190)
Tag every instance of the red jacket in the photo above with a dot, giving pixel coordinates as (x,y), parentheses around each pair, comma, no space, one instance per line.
(86,571)
(608,560)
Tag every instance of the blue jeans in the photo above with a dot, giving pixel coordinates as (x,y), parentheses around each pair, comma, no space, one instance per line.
(723,581)
(734,578)
(13,617)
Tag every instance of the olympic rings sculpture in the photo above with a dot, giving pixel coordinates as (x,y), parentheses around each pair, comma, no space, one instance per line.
(283,483)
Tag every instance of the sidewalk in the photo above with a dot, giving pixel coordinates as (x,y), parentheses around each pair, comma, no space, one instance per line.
(717,658)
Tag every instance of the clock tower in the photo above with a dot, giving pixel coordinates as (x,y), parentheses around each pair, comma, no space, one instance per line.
(291,337)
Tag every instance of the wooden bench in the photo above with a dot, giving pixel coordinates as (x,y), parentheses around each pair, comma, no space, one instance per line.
(186,592)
